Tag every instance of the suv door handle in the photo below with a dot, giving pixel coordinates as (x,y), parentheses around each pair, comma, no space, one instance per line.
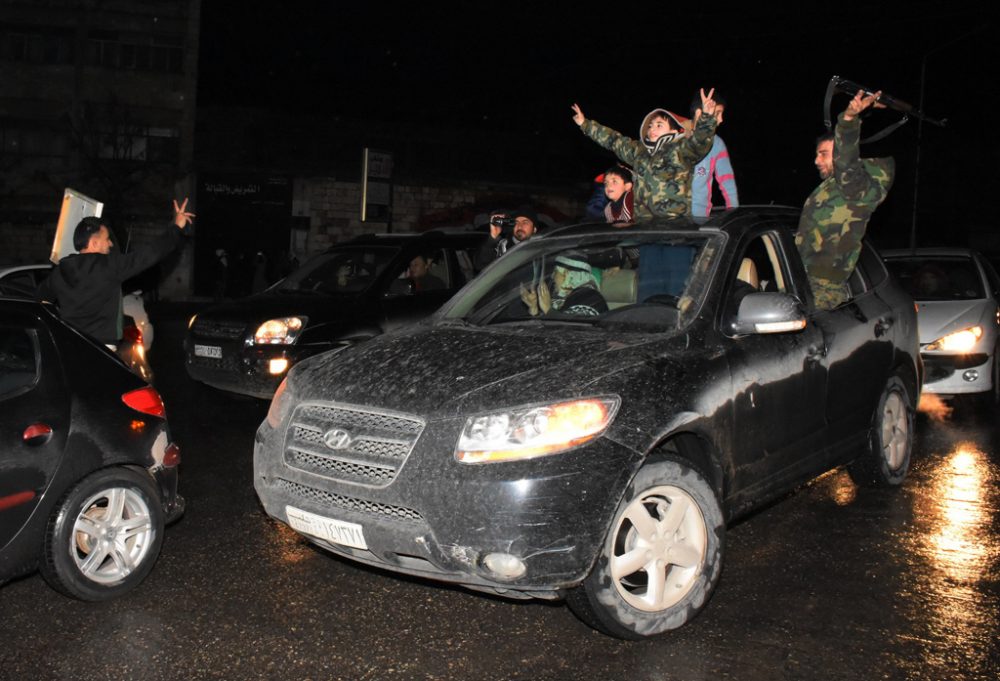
(815,353)
(883,325)
(36,434)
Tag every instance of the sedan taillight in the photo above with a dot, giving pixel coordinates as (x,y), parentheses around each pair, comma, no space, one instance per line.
(145,400)
(133,334)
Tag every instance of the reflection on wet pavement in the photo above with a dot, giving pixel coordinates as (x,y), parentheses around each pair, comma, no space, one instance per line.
(953,554)
(843,490)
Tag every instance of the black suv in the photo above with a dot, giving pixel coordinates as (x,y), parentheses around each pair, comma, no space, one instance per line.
(351,292)
(586,416)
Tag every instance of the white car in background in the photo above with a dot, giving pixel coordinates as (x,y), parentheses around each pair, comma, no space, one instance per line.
(22,281)
(958,315)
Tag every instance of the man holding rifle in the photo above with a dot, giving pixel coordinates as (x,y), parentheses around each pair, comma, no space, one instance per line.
(835,216)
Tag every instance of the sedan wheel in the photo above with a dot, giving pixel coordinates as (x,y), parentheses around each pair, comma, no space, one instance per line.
(661,558)
(105,535)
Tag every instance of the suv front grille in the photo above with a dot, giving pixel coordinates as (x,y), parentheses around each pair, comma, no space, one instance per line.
(324,498)
(366,447)
(219,328)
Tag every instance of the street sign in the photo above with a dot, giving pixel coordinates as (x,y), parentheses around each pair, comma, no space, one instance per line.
(376,187)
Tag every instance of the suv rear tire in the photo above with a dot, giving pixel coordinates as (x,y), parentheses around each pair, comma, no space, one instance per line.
(887,460)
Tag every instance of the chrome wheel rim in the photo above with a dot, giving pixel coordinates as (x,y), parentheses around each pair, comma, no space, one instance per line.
(659,548)
(112,535)
(895,431)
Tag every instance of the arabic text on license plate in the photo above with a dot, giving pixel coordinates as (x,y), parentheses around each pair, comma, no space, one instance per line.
(213,351)
(336,531)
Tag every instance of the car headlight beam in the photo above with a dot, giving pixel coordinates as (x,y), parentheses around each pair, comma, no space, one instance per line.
(281,331)
(959,341)
(532,431)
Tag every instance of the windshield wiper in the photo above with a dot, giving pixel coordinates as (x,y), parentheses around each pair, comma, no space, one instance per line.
(548,321)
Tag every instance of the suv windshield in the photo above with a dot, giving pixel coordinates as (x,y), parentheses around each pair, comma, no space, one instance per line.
(345,270)
(648,281)
(938,278)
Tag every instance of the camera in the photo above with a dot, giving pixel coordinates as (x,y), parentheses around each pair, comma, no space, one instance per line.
(503,222)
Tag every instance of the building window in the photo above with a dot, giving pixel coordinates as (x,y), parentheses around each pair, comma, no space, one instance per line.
(36,45)
(135,52)
(152,145)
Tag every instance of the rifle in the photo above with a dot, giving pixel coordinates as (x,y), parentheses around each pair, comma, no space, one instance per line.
(838,84)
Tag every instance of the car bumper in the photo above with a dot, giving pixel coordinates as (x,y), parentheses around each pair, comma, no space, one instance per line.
(241,368)
(957,374)
(166,478)
(439,519)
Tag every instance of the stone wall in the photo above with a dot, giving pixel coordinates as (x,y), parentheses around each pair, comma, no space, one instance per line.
(333,208)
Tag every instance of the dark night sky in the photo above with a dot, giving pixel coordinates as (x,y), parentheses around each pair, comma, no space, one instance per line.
(517,68)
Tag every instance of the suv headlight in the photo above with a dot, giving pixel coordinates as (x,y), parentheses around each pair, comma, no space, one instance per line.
(282,331)
(960,341)
(280,404)
(528,432)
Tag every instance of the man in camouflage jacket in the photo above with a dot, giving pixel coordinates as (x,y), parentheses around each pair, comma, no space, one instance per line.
(662,159)
(836,214)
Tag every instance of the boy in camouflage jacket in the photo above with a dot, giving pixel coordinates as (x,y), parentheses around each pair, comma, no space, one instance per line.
(835,215)
(662,159)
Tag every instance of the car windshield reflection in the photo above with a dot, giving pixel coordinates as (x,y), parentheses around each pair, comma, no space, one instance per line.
(652,282)
(343,271)
(940,278)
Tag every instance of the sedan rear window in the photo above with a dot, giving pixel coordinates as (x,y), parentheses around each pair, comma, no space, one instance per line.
(18,360)
(939,278)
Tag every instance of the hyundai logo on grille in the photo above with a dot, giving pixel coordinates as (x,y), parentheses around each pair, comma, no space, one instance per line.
(337,439)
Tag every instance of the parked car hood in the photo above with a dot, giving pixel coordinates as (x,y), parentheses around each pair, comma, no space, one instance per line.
(442,370)
(939,318)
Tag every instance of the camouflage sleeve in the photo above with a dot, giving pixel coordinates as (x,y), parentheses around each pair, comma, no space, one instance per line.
(626,149)
(696,146)
(851,176)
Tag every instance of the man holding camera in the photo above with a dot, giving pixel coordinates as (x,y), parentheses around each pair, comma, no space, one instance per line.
(522,223)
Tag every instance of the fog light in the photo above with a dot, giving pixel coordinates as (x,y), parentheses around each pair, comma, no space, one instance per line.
(504,565)
(277,366)
(970,375)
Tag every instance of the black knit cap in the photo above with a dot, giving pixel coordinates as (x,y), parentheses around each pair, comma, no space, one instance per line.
(526,212)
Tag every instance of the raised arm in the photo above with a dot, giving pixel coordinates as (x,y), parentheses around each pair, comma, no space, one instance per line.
(847,168)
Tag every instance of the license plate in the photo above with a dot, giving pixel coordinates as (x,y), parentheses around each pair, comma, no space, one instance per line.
(213,351)
(336,531)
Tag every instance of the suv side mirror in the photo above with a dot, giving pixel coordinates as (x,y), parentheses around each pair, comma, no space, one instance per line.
(768,312)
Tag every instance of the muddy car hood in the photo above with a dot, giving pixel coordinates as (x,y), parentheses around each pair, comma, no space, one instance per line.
(442,370)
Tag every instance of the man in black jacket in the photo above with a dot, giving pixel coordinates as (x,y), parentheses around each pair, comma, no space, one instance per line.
(525,224)
(87,286)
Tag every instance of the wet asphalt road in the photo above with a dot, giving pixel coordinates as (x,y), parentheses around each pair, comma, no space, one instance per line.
(832,582)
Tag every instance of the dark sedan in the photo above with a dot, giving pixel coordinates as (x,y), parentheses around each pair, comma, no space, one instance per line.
(584,419)
(88,472)
(350,293)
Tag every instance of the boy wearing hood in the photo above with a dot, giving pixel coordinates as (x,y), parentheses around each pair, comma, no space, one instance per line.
(87,285)
(662,162)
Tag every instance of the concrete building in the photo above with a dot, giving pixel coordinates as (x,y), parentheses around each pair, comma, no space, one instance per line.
(97,96)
